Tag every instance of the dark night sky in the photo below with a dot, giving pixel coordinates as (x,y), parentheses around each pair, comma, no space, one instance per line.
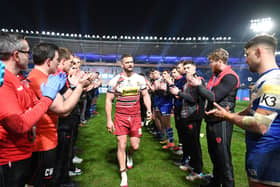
(155,18)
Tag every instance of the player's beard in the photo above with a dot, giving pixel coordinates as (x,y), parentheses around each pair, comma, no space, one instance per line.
(128,70)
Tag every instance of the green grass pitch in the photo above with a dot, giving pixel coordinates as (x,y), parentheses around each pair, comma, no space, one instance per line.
(153,167)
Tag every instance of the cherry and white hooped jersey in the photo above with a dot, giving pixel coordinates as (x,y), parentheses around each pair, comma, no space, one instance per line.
(266,95)
(127,91)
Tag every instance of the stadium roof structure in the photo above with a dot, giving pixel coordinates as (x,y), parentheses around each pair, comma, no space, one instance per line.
(104,51)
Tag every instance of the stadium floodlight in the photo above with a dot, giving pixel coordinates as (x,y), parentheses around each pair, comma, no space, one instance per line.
(261,25)
(43,32)
(277,53)
(194,38)
(37,32)
(199,38)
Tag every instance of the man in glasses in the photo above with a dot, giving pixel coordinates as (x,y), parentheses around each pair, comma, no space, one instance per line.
(20,110)
(126,86)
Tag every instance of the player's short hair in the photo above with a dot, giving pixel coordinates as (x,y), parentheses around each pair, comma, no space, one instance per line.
(43,51)
(189,62)
(10,42)
(64,53)
(262,39)
(125,56)
(180,62)
(174,67)
(167,70)
(219,54)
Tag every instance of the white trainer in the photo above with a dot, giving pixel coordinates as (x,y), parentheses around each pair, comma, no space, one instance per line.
(179,152)
(77,160)
(76,172)
(124,179)
(129,161)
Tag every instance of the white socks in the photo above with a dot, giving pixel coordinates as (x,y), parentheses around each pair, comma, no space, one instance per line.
(124,178)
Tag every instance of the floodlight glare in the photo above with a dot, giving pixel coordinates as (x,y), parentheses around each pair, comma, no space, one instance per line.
(277,53)
(261,25)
